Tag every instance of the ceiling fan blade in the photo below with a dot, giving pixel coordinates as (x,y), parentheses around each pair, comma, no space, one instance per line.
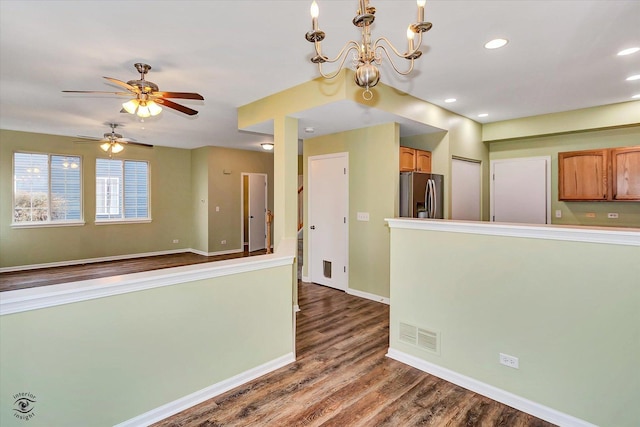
(123,84)
(97,91)
(175,106)
(182,95)
(138,143)
(89,138)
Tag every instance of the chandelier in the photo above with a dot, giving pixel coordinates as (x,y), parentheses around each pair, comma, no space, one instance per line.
(367,54)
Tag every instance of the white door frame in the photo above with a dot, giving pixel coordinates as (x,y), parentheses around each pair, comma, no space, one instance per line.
(309,192)
(547,160)
(242,201)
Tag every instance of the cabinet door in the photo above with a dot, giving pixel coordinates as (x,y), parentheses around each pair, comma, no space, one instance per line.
(407,159)
(625,164)
(582,175)
(423,161)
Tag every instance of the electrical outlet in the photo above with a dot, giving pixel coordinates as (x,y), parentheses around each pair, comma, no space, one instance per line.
(558,213)
(362,216)
(509,361)
(612,215)
(176,241)
(223,242)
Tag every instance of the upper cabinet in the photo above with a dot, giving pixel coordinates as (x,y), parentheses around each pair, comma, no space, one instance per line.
(605,174)
(412,160)
(625,173)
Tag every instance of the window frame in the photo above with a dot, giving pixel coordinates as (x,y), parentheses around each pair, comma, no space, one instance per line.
(49,222)
(122,195)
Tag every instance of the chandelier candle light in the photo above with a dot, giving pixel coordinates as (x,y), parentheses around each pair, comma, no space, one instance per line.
(367,55)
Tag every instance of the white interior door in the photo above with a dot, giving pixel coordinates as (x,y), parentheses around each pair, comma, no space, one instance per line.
(521,190)
(257,211)
(466,190)
(328,212)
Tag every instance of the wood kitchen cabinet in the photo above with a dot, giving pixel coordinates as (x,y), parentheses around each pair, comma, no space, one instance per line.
(597,175)
(625,173)
(412,159)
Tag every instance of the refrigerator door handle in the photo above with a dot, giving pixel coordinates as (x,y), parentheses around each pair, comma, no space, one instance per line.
(434,199)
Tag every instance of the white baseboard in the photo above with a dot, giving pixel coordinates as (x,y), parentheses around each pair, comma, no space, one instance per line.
(296,308)
(305,279)
(231,251)
(200,396)
(502,396)
(367,295)
(91,260)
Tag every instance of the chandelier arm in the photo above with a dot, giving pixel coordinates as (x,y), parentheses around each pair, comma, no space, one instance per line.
(403,73)
(351,44)
(407,55)
(336,72)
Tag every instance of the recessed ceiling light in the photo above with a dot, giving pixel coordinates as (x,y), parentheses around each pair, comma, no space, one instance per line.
(483,114)
(636,96)
(628,51)
(496,43)
(450,100)
(267,146)
(309,129)
(632,78)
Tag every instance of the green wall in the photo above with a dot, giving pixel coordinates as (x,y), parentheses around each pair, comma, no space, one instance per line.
(373,188)
(225,168)
(568,310)
(170,170)
(104,361)
(575,213)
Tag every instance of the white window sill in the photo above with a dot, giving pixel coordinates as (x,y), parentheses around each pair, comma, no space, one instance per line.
(122,221)
(47,224)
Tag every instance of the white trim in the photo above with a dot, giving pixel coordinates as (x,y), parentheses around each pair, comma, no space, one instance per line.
(548,414)
(121,221)
(305,278)
(228,252)
(54,295)
(92,260)
(367,295)
(186,402)
(43,224)
(612,236)
(296,308)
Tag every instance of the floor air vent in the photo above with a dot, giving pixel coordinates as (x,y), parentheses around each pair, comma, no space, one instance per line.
(422,338)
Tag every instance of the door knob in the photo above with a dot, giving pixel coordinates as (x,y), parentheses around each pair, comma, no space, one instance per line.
(313,227)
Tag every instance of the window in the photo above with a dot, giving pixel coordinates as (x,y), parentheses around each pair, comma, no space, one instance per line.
(122,190)
(46,189)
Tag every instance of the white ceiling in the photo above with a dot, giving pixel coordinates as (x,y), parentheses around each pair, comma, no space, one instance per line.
(561,56)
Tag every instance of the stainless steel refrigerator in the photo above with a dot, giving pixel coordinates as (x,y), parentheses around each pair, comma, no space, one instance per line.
(421,195)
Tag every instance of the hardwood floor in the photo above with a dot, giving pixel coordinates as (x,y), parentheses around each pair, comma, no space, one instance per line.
(342,378)
(11,281)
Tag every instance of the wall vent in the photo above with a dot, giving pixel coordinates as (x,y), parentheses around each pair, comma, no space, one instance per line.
(419,337)
(408,334)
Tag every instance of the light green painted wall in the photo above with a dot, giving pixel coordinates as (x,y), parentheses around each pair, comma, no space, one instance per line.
(594,118)
(101,362)
(569,311)
(170,171)
(200,198)
(373,188)
(225,191)
(575,213)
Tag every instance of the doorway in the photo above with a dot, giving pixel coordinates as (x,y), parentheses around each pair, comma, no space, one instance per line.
(328,231)
(254,211)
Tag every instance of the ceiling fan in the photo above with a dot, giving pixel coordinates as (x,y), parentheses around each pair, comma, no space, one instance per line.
(147,96)
(112,142)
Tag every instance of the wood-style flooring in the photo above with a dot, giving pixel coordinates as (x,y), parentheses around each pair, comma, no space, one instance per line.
(342,378)
(23,279)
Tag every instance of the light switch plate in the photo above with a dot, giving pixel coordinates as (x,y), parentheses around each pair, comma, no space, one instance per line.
(362,216)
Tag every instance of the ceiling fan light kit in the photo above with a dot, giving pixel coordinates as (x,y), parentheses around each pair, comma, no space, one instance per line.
(367,54)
